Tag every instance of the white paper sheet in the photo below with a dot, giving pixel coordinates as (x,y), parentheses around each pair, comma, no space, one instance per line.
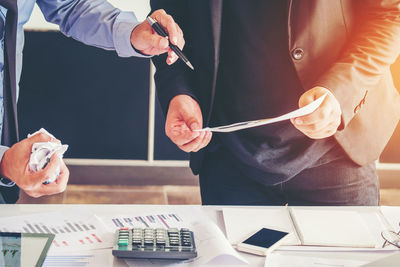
(75,229)
(284,260)
(93,258)
(212,246)
(308,109)
(156,220)
(391,260)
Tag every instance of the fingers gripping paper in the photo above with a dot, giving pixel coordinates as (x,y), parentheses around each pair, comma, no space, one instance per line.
(308,109)
(42,153)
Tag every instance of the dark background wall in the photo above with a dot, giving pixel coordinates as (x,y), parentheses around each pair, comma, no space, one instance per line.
(98,103)
(91,99)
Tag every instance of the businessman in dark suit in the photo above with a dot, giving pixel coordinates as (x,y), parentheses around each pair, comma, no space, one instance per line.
(258,59)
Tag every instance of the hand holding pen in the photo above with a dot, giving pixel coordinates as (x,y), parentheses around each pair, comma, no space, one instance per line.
(146,40)
(159,29)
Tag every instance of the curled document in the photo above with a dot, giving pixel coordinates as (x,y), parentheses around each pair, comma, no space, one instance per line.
(42,153)
(308,109)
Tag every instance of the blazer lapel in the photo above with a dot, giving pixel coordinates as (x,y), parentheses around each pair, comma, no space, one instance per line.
(216,16)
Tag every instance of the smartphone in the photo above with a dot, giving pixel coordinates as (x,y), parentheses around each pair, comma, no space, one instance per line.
(263,241)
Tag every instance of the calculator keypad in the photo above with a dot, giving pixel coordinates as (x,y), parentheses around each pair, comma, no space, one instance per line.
(171,243)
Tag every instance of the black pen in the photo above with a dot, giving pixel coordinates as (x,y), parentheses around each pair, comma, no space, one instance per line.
(160,31)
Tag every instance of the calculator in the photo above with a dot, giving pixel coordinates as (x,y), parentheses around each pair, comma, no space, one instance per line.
(154,243)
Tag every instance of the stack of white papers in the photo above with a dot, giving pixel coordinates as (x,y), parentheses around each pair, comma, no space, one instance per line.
(76,229)
(284,260)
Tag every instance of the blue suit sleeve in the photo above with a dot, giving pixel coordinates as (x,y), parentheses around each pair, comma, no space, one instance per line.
(3,149)
(93,22)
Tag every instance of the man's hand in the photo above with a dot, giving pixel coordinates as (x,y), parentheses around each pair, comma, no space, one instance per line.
(184,116)
(147,41)
(14,166)
(324,121)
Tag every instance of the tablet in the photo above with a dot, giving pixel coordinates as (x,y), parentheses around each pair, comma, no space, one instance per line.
(27,250)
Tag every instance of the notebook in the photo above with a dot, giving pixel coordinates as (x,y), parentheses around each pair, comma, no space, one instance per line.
(333,228)
(310,226)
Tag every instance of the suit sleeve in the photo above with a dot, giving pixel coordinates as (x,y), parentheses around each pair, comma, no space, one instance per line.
(3,150)
(93,22)
(175,79)
(374,46)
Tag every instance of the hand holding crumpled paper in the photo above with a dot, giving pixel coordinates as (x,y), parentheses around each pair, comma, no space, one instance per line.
(42,153)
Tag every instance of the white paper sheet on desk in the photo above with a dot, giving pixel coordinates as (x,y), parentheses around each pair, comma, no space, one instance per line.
(284,260)
(308,109)
(92,258)
(212,246)
(75,229)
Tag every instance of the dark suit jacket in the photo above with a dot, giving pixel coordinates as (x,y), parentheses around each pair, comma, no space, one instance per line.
(346,46)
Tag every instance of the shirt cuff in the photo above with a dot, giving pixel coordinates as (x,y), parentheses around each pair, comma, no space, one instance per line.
(123,27)
(3,181)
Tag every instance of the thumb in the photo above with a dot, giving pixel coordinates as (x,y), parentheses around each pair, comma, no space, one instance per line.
(192,119)
(143,37)
(193,124)
(306,98)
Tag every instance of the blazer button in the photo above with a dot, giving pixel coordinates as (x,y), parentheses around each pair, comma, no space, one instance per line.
(297,53)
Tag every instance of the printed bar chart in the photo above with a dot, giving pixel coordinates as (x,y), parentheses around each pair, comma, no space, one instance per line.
(154,221)
(73,230)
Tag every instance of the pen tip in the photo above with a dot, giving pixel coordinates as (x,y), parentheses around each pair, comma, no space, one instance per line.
(190,65)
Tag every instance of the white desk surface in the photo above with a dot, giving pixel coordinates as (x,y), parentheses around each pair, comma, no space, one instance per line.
(214,212)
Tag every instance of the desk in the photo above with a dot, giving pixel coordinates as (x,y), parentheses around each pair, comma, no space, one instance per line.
(214,212)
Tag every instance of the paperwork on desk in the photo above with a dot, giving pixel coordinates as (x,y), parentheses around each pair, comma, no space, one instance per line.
(316,229)
(212,246)
(95,258)
(75,229)
(80,230)
(308,109)
(284,260)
